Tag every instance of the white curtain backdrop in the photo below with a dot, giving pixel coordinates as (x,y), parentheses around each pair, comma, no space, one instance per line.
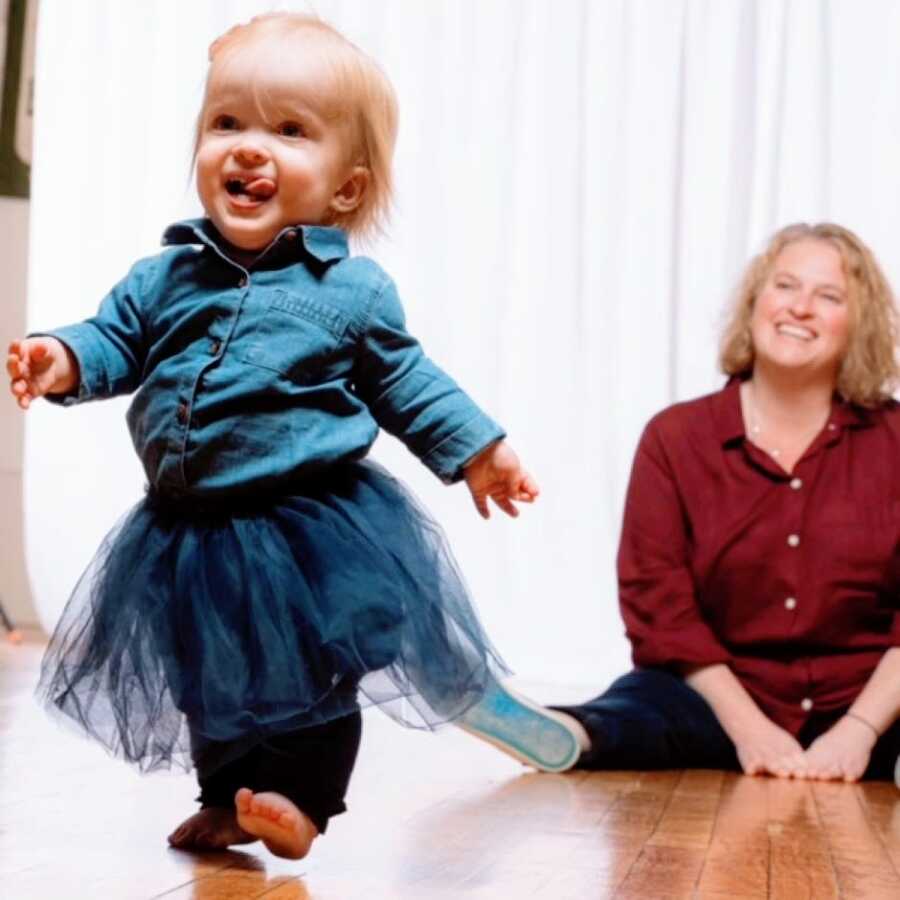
(579,185)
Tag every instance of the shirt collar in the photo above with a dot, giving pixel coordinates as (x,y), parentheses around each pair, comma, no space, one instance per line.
(323,243)
(729,421)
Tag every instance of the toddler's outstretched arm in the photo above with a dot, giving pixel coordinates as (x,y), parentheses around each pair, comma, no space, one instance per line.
(38,366)
(497,473)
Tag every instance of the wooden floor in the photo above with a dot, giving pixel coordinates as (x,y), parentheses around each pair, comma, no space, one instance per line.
(436,816)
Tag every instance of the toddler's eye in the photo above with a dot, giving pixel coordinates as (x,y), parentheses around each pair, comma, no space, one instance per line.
(290,129)
(225,123)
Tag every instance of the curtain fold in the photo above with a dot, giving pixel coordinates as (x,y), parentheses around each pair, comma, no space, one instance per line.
(579,185)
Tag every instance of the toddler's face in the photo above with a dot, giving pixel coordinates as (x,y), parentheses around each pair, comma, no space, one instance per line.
(271,153)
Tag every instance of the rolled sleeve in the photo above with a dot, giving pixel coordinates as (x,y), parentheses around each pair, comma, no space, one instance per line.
(93,380)
(657,595)
(413,399)
(449,457)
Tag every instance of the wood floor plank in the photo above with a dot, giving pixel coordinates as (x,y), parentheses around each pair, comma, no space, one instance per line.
(663,873)
(690,814)
(238,885)
(880,806)
(861,863)
(435,817)
(737,861)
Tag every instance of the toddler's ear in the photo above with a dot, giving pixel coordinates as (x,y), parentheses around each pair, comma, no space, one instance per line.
(349,195)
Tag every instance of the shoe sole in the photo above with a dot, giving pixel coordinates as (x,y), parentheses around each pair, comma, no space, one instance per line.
(529,733)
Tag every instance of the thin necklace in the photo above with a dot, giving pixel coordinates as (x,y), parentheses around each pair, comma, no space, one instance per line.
(756,428)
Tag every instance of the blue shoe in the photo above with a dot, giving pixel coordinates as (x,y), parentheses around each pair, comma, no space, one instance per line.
(535,736)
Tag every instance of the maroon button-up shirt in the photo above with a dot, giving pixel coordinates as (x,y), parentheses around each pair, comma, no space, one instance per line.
(793,580)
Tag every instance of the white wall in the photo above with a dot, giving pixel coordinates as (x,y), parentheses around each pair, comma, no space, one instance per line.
(15,591)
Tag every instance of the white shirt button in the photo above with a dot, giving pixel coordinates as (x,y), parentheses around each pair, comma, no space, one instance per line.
(790,603)
(831,426)
(793,540)
(796,483)
(806,704)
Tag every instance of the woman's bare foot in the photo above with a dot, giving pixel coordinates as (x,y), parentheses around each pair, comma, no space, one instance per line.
(276,821)
(212,828)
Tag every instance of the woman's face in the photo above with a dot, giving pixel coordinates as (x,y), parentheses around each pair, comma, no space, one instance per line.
(801,317)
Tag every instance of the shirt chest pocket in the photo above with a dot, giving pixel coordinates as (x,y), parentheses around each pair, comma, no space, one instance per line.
(294,335)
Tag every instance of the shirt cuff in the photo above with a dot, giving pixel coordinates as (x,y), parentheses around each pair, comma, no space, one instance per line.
(448,457)
(93,382)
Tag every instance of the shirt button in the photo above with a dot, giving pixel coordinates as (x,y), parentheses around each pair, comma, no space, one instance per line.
(243,281)
(183,413)
(215,347)
(806,704)
(790,603)
(290,235)
(796,483)
(793,540)
(831,426)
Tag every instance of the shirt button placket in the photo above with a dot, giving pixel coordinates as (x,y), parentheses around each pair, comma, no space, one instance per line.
(793,540)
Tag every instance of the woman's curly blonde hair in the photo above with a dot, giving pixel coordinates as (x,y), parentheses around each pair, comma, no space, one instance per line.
(869,372)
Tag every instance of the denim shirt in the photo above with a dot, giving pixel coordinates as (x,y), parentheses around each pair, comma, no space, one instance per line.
(253,377)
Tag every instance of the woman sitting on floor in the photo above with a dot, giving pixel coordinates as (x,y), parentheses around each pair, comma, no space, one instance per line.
(759,564)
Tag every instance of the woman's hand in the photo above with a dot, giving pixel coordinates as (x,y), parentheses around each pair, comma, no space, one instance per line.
(842,753)
(38,366)
(762,747)
(497,473)
(766,749)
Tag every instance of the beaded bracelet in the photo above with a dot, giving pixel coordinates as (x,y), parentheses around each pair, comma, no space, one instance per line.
(865,722)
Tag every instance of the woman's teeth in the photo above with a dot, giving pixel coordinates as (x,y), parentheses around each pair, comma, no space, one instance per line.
(794,331)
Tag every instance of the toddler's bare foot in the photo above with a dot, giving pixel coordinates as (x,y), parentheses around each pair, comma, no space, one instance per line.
(276,821)
(213,828)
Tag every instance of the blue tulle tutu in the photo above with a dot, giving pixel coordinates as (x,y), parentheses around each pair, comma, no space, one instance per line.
(233,621)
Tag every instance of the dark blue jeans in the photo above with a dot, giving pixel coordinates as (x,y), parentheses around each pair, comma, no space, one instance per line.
(651,719)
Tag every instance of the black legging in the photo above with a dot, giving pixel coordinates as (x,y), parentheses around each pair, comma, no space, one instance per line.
(310,766)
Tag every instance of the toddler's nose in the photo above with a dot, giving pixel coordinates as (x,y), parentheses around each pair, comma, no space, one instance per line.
(250,155)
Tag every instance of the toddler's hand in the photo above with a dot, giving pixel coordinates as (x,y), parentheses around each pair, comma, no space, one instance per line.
(497,473)
(38,366)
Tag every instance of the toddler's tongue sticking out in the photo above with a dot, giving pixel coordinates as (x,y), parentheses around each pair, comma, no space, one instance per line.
(258,188)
